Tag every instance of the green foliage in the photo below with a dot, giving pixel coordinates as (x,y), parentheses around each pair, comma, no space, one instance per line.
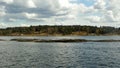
(63,30)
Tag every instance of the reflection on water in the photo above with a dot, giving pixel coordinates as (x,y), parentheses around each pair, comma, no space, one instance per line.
(59,55)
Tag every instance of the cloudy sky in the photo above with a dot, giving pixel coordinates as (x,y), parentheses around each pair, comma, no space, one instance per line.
(59,12)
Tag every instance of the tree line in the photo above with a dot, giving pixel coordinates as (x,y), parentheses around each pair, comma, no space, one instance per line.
(62,30)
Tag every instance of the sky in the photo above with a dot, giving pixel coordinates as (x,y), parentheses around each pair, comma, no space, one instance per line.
(15,13)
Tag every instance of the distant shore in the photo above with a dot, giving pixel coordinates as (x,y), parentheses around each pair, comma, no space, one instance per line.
(63,35)
(61,30)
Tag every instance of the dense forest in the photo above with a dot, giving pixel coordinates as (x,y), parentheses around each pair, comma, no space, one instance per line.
(59,30)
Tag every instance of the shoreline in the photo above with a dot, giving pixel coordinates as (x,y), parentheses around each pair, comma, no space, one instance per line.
(63,35)
(62,40)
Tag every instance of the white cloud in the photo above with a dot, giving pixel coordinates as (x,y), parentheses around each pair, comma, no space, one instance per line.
(24,3)
(94,19)
(30,15)
(12,19)
(7,1)
(100,4)
(2,11)
(2,14)
(64,3)
(65,11)
(25,25)
(31,4)
(85,9)
(3,25)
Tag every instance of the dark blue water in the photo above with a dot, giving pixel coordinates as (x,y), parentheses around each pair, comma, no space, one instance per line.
(59,55)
